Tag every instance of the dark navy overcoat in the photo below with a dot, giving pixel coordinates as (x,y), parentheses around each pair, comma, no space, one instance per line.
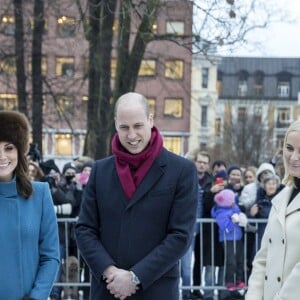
(147,234)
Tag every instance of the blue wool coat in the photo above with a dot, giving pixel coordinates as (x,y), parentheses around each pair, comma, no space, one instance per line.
(228,231)
(29,251)
(147,234)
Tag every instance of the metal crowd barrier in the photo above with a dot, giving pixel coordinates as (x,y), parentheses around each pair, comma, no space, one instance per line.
(79,278)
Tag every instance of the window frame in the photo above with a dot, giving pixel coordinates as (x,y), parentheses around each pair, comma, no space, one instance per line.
(178,112)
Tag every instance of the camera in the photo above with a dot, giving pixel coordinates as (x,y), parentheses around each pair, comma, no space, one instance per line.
(50,180)
(34,153)
(219,180)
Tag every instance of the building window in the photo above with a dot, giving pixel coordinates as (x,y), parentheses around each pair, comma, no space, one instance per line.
(283,89)
(257,114)
(147,68)
(65,66)
(8,25)
(115,27)
(279,141)
(203,115)
(85,66)
(218,127)
(8,65)
(219,82)
(283,117)
(242,84)
(8,102)
(113,67)
(85,104)
(154,28)
(242,114)
(66,26)
(175,27)
(205,73)
(173,108)
(173,144)
(258,83)
(174,69)
(65,104)
(283,84)
(242,88)
(44,65)
(152,103)
(63,144)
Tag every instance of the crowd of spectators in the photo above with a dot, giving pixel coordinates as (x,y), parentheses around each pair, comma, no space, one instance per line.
(219,253)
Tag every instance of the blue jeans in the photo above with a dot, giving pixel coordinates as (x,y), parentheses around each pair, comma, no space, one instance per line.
(210,279)
(186,269)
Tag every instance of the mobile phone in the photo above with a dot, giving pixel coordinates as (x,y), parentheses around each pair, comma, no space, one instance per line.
(219,180)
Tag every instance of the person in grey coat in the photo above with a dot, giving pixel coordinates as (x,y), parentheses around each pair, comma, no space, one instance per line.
(138,214)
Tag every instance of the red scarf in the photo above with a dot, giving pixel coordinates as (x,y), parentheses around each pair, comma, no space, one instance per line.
(132,168)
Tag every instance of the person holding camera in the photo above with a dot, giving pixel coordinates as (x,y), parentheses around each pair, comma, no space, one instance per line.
(62,187)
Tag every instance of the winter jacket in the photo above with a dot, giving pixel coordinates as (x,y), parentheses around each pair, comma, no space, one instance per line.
(228,230)
(29,251)
(276,267)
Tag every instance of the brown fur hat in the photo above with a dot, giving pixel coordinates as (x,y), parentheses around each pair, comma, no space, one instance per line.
(14,128)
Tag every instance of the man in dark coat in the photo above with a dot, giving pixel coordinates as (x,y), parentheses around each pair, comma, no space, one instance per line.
(139,211)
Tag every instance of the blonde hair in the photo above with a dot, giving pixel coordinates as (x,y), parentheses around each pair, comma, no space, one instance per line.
(288,179)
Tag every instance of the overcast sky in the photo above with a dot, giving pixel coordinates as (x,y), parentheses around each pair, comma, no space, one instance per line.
(280,40)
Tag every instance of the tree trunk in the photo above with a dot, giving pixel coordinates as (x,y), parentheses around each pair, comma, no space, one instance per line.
(99,113)
(19,53)
(37,80)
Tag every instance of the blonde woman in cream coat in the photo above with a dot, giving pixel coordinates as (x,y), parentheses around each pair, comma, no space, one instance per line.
(276,266)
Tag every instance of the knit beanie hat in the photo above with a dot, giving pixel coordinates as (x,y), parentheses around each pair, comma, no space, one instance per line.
(233,167)
(271,177)
(225,198)
(14,128)
(88,164)
(49,165)
(69,165)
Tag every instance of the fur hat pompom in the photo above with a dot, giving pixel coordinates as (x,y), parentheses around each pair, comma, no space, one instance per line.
(14,128)
(225,198)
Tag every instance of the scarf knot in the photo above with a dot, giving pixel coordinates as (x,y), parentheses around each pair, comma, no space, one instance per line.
(132,168)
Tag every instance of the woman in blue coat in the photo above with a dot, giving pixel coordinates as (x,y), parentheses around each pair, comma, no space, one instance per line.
(29,253)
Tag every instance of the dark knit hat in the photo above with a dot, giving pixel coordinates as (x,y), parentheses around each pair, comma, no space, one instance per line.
(233,167)
(14,128)
(218,163)
(69,165)
(88,164)
(49,165)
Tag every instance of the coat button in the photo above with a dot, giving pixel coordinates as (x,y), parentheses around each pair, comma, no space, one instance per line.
(270,241)
(282,241)
(278,279)
(266,277)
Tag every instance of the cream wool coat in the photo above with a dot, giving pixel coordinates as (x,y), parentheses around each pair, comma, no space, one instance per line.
(276,267)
